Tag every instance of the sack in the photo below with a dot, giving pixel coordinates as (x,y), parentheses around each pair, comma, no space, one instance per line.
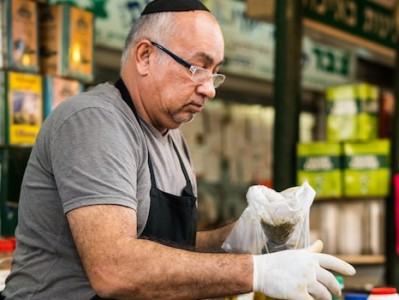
(272,221)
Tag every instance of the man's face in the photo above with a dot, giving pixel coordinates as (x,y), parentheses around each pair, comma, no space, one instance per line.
(175,97)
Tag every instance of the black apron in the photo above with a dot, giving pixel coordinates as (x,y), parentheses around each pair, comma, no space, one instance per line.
(172,219)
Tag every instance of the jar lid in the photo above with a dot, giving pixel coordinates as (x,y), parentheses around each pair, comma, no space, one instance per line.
(6,245)
(340,279)
(356,296)
(384,291)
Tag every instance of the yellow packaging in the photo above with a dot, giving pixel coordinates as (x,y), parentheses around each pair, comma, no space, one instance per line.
(67,42)
(81,42)
(19,20)
(25,106)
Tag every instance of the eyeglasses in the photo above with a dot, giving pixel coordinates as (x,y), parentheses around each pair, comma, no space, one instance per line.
(198,74)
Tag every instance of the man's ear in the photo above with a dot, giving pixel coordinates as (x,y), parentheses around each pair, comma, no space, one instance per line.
(142,56)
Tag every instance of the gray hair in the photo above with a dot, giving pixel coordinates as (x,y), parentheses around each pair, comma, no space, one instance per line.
(159,27)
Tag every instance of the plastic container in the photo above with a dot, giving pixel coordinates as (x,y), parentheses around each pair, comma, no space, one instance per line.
(340,280)
(356,296)
(383,293)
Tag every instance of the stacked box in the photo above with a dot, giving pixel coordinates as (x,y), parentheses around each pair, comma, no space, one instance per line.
(352,112)
(56,90)
(24,108)
(66,42)
(366,168)
(367,97)
(19,35)
(319,163)
(341,113)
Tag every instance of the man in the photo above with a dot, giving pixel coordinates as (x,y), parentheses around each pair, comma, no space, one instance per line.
(108,203)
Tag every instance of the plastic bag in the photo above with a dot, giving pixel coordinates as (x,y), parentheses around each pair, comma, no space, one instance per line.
(272,221)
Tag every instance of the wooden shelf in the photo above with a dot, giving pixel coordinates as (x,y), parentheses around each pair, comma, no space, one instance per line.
(363,259)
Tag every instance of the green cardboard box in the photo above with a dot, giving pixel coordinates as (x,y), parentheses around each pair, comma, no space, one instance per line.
(352,112)
(366,168)
(319,163)
(341,113)
(367,96)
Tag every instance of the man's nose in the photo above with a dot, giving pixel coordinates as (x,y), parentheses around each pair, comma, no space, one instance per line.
(207,88)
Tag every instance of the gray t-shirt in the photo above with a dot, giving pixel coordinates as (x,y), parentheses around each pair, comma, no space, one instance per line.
(90,150)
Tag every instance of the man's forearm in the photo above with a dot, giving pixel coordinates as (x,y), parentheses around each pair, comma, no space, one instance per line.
(155,271)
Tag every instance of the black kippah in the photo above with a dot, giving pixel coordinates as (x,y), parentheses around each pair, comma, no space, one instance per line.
(158,6)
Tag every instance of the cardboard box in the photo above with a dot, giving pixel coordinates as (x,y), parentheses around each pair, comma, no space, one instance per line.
(352,112)
(367,168)
(66,42)
(319,163)
(24,107)
(367,96)
(56,90)
(19,45)
(341,113)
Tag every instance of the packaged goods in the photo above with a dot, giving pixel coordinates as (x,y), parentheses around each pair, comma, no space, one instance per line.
(352,112)
(56,90)
(351,215)
(24,108)
(66,43)
(272,221)
(366,168)
(341,113)
(367,97)
(319,163)
(19,35)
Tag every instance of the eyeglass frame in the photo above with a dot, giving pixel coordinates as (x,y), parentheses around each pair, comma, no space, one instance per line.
(189,66)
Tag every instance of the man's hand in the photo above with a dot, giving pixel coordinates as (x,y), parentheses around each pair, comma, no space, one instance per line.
(299,274)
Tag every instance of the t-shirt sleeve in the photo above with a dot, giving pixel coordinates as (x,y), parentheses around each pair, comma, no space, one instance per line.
(95,158)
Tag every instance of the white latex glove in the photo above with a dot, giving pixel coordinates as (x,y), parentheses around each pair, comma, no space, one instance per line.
(298,274)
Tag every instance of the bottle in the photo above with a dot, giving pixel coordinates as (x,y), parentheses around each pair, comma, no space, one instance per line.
(340,280)
(7,247)
(356,296)
(383,293)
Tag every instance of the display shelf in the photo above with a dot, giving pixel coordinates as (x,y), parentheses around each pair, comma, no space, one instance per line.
(363,259)
(349,199)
